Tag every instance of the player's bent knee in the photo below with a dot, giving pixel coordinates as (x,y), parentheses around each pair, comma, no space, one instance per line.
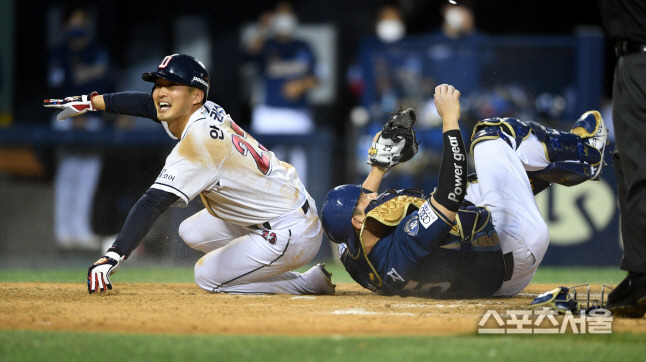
(190,236)
(201,277)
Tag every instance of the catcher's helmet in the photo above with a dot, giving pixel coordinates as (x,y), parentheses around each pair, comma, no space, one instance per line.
(182,69)
(337,212)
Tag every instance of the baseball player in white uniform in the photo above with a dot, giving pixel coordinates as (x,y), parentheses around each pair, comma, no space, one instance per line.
(259,222)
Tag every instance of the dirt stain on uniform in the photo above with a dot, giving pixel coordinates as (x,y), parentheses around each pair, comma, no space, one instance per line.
(192,148)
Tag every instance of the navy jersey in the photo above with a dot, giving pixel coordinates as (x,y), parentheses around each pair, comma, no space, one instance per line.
(79,72)
(421,253)
(281,62)
(455,61)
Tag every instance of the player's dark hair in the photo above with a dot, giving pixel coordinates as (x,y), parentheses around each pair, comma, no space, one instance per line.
(357,210)
(69,10)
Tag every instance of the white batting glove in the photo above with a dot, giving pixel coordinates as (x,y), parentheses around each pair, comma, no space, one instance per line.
(71,106)
(98,275)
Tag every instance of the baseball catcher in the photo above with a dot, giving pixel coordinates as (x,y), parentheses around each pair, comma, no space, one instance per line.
(464,240)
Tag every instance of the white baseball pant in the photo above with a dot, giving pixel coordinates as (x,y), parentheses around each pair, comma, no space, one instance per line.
(504,188)
(253,259)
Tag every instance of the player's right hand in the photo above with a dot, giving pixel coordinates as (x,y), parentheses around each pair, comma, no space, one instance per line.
(71,106)
(98,275)
(447,102)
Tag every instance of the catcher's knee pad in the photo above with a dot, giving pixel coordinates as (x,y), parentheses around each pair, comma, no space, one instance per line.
(511,130)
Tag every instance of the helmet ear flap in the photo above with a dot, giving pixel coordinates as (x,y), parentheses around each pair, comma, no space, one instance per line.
(337,211)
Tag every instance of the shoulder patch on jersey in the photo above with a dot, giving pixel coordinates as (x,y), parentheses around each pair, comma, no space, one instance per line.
(167,174)
(426,215)
(412,226)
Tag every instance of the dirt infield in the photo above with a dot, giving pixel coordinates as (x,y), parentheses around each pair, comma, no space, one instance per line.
(184,308)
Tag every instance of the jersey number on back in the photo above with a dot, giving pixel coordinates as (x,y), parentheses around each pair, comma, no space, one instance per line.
(241,144)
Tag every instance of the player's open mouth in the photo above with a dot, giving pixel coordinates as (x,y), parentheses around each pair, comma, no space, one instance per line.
(164,105)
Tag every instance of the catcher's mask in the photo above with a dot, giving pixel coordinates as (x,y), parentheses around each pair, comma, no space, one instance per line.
(182,69)
(564,299)
(336,215)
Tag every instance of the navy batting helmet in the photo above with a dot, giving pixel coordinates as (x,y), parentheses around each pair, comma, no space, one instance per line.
(182,69)
(337,212)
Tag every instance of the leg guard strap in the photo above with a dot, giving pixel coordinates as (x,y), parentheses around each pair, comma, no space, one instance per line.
(504,128)
(564,146)
(562,173)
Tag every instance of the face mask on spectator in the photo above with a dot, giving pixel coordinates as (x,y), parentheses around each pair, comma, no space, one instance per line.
(455,19)
(284,24)
(390,30)
(76,33)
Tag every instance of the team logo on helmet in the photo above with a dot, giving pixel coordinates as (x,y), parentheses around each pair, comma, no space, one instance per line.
(164,62)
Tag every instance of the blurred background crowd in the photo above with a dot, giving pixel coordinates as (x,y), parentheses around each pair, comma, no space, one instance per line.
(313,80)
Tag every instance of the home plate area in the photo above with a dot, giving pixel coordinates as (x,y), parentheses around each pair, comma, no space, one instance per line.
(353,311)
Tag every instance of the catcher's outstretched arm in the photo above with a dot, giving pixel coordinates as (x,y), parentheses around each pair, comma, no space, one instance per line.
(373,180)
(452,184)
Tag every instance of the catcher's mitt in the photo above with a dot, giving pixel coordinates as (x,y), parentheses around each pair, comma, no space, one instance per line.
(397,142)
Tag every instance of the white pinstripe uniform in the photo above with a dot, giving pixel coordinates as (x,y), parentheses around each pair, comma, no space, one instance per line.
(259,222)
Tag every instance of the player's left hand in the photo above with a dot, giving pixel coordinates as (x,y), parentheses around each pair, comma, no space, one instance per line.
(71,106)
(396,143)
(98,275)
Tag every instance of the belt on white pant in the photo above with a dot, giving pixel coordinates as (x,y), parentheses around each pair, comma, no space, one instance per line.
(266,225)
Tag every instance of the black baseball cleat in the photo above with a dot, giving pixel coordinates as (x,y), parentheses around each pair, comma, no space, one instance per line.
(628,299)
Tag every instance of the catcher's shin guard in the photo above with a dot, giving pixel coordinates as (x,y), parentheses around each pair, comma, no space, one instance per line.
(573,158)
